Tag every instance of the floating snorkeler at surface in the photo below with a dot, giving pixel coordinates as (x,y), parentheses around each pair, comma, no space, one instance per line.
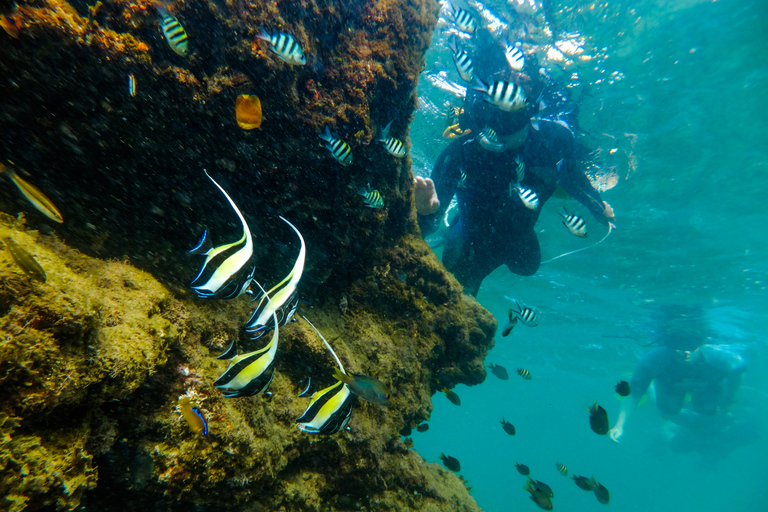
(251,373)
(285,46)
(281,298)
(224,274)
(172,30)
(329,409)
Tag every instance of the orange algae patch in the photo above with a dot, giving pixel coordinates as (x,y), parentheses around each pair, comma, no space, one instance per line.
(248,112)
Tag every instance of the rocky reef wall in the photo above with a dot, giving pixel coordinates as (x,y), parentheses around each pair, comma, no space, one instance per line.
(93,361)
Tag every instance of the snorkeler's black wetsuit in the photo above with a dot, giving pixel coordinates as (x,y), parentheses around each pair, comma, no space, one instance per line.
(493,226)
(711,381)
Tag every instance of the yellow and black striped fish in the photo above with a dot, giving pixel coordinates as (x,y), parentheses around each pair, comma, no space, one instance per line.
(282,296)
(394,146)
(338,148)
(562,469)
(173,31)
(526,314)
(224,273)
(524,373)
(329,409)
(372,197)
(574,223)
(251,373)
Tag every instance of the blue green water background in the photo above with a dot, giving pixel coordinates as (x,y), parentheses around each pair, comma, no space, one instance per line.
(681,86)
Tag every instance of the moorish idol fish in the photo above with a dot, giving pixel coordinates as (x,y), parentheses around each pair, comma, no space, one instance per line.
(278,296)
(251,373)
(285,46)
(34,196)
(224,274)
(173,31)
(329,409)
(526,314)
(338,148)
(394,146)
(574,223)
(508,96)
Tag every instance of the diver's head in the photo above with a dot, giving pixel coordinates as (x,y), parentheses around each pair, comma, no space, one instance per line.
(684,328)
(511,127)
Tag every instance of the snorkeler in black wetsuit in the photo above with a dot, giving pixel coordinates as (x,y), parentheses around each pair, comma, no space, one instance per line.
(493,226)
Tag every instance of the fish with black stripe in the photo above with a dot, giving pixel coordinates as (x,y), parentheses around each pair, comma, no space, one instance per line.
(285,46)
(281,298)
(394,147)
(224,274)
(463,61)
(338,148)
(529,198)
(372,197)
(561,468)
(526,314)
(173,31)
(574,223)
(329,409)
(251,373)
(514,55)
(489,140)
(508,96)
(464,20)
(519,170)
(524,373)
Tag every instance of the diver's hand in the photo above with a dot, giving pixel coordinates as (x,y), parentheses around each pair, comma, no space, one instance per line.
(616,433)
(425,196)
(608,212)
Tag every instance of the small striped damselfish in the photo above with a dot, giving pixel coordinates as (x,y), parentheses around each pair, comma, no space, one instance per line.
(173,31)
(285,46)
(394,146)
(338,148)
(574,223)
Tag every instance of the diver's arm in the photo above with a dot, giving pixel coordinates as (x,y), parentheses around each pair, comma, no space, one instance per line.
(628,406)
(724,359)
(572,178)
(641,378)
(443,186)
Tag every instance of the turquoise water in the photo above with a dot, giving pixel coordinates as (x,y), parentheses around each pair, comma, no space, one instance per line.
(677,89)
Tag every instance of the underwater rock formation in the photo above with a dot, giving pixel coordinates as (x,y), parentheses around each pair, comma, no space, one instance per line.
(95,359)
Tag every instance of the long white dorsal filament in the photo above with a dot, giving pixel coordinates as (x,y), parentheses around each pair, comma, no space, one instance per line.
(326,344)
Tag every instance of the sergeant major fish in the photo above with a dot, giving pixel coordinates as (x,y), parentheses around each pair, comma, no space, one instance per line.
(524,373)
(227,277)
(489,140)
(280,297)
(529,198)
(508,96)
(329,409)
(514,56)
(464,20)
(372,197)
(338,148)
(463,62)
(251,373)
(526,314)
(394,147)
(574,223)
(285,46)
(519,170)
(173,31)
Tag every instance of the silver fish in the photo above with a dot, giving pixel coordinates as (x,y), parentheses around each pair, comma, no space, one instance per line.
(574,223)
(285,46)
(508,96)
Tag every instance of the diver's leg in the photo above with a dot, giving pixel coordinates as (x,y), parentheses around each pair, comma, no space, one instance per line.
(523,256)
(469,262)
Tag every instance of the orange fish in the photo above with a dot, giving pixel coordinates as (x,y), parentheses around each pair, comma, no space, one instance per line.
(248,112)
(10,25)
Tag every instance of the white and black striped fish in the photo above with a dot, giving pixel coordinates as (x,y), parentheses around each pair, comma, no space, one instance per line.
(526,314)
(394,146)
(519,170)
(329,409)
(280,299)
(285,46)
(251,373)
(528,197)
(463,62)
(173,31)
(508,96)
(514,56)
(464,20)
(462,179)
(489,140)
(338,148)
(372,197)
(224,274)
(574,223)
